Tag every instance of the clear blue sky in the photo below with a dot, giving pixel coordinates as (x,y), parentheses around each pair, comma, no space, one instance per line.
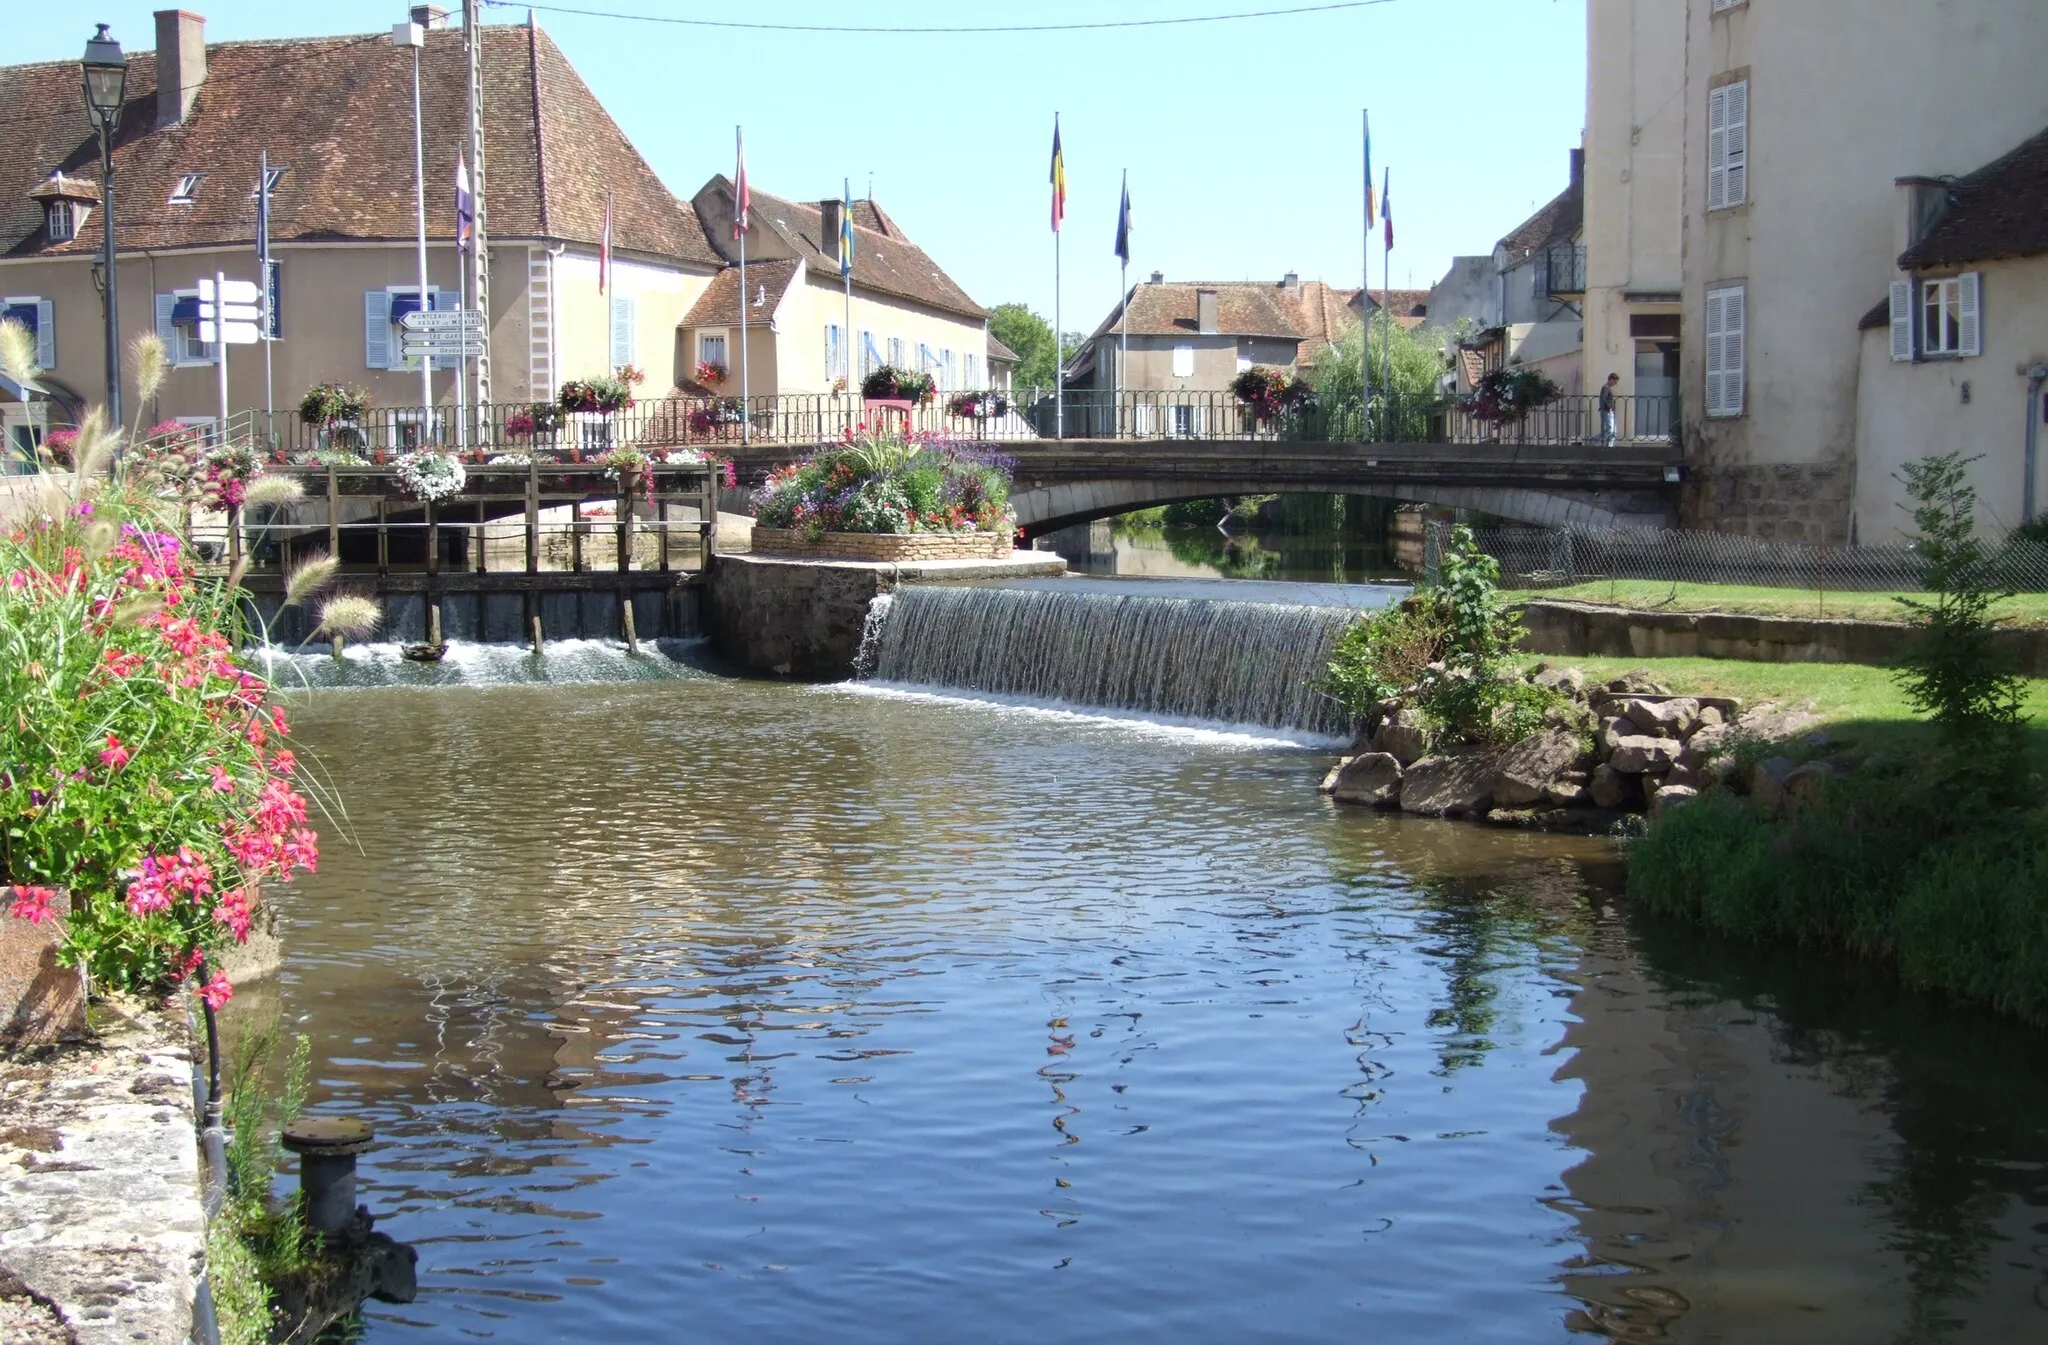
(1242,138)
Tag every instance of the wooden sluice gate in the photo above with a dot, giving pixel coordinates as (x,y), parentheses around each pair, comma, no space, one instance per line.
(519,553)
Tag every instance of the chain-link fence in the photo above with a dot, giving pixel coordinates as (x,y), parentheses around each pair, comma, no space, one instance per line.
(1555,558)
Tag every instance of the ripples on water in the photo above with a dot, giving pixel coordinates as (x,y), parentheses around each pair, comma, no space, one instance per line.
(701,1010)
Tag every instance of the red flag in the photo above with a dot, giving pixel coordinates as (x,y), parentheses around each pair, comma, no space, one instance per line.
(604,247)
(742,198)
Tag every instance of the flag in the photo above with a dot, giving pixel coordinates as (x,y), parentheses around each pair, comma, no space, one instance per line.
(604,247)
(1123,223)
(1059,177)
(465,205)
(1370,205)
(742,198)
(1387,206)
(846,232)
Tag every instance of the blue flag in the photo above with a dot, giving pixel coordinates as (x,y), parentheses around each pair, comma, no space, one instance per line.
(1123,223)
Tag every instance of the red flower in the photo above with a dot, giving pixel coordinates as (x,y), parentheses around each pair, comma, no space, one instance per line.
(223,783)
(217,991)
(113,756)
(32,903)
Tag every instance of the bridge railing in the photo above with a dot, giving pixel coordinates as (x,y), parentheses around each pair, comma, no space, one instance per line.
(803,419)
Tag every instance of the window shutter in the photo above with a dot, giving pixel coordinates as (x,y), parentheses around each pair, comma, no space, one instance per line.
(1969,313)
(1141,418)
(376,329)
(1732,333)
(1716,361)
(1902,320)
(1717,148)
(46,334)
(622,331)
(165,332)
(442,301)
(1736,144)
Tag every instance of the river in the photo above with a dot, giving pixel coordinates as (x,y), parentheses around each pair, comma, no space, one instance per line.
(698,1009)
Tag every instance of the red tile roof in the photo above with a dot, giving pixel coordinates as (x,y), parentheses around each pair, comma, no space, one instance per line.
(2001,210)
(1558,221)
(1243,308)
(998,352)
(332,112)
(718,306)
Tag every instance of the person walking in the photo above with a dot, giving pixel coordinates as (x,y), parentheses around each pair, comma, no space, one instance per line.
(1607,410)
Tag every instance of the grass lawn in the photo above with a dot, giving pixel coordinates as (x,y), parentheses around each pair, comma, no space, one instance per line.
(1859,704)
(2025,609)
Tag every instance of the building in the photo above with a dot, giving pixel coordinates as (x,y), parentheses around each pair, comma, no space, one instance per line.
(906,311)
(1800,121)
(333,115)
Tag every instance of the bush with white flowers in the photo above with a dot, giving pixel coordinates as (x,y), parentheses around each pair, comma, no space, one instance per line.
(430,476)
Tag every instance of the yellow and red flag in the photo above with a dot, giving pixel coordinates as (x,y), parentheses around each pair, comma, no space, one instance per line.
(1059,177)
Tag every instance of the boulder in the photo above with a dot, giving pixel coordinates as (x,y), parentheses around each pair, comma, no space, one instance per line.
(1532,763)
(1611,789)
(1568,793)
(1709,742)
(1613,729)
(1640,753)
(1682,775)
(1569,681)
(1672,796)
(1711,717)
(1372,779)
(1673,717)
(1769,723)
(1767,780)
(1403,737)
(1720,772)
(1805,784)
(1635,682)
(1448,786)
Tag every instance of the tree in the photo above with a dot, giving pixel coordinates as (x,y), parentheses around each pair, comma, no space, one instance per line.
(1030,335)
(1419,365)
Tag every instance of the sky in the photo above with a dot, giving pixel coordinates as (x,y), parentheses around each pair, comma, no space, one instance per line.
(1241,138)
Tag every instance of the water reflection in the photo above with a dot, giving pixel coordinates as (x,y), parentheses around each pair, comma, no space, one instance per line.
(715,1010)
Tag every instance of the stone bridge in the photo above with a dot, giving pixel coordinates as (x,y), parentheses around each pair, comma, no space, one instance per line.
(1064,482)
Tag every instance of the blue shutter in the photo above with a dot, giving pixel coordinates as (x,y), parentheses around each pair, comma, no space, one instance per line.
(622,332)
(377,329)
(46,334)
(165,332)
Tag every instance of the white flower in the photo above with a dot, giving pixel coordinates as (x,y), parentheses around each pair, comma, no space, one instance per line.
(430,476)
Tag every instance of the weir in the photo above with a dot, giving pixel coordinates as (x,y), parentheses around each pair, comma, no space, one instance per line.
(1226,661)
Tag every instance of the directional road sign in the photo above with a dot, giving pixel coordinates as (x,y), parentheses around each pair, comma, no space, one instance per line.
(231,309)
(439,350)
(448,320)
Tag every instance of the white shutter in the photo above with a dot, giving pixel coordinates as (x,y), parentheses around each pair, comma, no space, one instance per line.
(165,332)
(622,331)
(1902,320)
(1732,353)
(376,330)
(1969,313)
(442,301)
(1141,419)
(46,334)
(1736,144)
(1183,361)
(1717,148)
(1713,343)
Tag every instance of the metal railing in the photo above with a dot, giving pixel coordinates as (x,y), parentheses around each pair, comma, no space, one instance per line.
(1561,271)
(808,419)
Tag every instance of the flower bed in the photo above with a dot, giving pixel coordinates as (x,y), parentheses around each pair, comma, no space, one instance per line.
(878,482)
(881,546)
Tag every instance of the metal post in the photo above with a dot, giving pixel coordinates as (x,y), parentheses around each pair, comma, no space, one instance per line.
(327,1147)
(479,260)
(1365,295)
(746,409)
(419,187)
(220,354)
(107,263)
(263,279)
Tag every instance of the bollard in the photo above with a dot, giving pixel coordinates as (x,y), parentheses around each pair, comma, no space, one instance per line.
(626,622)
(327,1147)
(536,635)
(338,642)
(434,621)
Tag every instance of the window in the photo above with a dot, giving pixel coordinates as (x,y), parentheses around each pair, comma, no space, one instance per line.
(61,221)
(383,312)
(870,358)
(623,331)
(835,353)
(1183,422)
(952,377)
(203,424)
(276,176)
(1940,318)
(898,349)
(40,317)
(1183,361)
(1728,146)
(972,369)
(182,194)
(711,349)
(1725,335)
(177,323)
(1720,5)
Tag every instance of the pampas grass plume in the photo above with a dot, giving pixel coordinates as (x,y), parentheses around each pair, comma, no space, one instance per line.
(17,353)
(348,615)
(273,491)
(150,361)
(308,579)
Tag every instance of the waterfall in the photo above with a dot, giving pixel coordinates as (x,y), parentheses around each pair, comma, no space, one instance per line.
(468,664)
(1225,661)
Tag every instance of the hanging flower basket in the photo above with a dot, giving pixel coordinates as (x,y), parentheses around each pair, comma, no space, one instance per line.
(331,402)
(1506,396)
(602,395)
(710,373)
(430,475)
(979,406)
(890,384)
(1269,392)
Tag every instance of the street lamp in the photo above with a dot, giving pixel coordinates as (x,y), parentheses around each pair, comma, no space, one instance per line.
(106,83)
(414,36)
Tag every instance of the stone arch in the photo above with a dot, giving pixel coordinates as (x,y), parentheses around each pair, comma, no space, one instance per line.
(1047,508)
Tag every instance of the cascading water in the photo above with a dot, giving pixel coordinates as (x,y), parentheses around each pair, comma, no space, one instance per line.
(468,664)
(1224,661)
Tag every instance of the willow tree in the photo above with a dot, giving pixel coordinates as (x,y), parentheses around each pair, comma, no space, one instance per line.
(1418,366)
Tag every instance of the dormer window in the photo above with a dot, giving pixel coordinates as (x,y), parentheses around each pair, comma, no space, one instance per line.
(187,187)
(66,202)
(61,221)
(276,176)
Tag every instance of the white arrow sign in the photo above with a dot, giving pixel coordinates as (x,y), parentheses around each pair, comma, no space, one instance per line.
(239,333)
(471,341)
(446,320)
(231,292)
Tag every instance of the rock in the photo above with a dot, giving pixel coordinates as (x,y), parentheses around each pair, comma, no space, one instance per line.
(1767,723)
(1672,796)
(1669,718)
(1711,717)
(1706,744)
(1610,788)
(1569,681)
(1448,786)
(40,1001)
(1636,681)
(1682,776)
(1640,753)
(1613,729)
(1719,772)
(1805,784)
(1403,737)
(1531,764)
(1372,780)
(1568,793)
(1767,780)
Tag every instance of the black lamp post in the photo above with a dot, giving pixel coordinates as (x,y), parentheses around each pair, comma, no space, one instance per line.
(106,81)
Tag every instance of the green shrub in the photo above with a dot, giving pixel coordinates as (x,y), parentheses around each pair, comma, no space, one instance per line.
(1384,652)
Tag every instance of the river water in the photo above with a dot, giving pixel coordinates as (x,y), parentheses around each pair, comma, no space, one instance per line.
(695,1009)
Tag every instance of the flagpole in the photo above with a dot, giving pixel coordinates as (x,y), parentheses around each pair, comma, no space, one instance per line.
(1365,295)
(846,275)
(462,360)
(263,279)
(1123,358)
(1387,295)
(1059,358)
(740,147)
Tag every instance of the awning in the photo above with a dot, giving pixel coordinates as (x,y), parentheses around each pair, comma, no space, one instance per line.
(185,313)
(25,314)
(401,304)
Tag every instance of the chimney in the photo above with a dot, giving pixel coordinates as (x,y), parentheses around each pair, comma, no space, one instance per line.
(430,16)
(1205,312)
(1291,282)
(180,64)
(828,226)
(1578,167)
(1920,201)
(1159,277)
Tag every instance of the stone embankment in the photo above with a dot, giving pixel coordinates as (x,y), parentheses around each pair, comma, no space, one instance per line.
(1611,749)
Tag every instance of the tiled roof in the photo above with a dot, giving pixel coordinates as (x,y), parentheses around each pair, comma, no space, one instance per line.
(883,259)
(1243,308)
(2001,210)
(997,351)
(1325,312)
(718,306)
(334,112)
(1556,222)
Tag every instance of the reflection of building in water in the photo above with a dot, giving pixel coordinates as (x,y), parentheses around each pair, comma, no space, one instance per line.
(1732,1190)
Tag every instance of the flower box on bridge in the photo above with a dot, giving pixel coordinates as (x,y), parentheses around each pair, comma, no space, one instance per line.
(882,546)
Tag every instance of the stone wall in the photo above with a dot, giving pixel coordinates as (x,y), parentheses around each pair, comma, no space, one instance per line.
(1779,502)
(882,546)
(1589,630)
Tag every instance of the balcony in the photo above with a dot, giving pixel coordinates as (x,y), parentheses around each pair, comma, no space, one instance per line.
(1561,271)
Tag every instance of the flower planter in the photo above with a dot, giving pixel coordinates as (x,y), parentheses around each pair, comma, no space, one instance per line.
(882,546)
